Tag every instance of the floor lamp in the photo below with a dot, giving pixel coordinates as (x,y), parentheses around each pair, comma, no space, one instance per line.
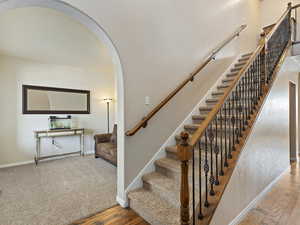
(107,100)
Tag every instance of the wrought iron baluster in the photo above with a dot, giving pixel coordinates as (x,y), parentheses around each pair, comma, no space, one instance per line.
(247,76)
(233,121)
(211,178)
(225,135)
(241,106)
(221,142)
(200,214)
(244,101)
(206,169)
(229,131)
(251,89)
(193,186)
(216,150)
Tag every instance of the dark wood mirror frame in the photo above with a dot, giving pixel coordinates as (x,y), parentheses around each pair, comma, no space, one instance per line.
(25,89)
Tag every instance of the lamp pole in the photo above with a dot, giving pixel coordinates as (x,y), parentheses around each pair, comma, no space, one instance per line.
(107,117)
(107,100)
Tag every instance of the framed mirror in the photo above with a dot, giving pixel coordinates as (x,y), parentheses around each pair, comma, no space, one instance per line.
(52,100)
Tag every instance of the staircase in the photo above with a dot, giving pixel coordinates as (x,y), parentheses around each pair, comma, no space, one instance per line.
(158,200)
(187,185)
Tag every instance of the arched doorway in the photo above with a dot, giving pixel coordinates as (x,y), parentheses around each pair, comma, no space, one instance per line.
(94,27)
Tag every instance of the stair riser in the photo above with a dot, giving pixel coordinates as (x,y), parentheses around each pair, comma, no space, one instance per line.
(192,130)
(170,196)
(233,110)
(237,69)
(138,207)
(173,196)
(218,122)
(241,64)
(227,81)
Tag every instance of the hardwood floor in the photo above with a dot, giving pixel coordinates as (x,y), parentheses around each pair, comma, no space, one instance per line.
(113,216)
(281,206)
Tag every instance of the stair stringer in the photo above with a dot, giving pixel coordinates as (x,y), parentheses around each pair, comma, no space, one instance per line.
(161,153)
(262,160)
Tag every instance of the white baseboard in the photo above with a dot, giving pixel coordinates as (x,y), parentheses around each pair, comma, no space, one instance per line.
(122,202)
(91,152)
(16,164)
(254,202)
(149,167)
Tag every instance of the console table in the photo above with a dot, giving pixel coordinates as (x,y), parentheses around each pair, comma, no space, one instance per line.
(57,133)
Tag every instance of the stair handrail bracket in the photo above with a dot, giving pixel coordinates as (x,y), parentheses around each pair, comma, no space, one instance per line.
(190,78)
(220,136)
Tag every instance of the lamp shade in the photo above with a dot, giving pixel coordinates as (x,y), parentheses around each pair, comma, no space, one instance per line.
(107,100)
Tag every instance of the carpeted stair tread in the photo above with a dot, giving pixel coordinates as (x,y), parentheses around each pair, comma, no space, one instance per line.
(228,80)
(198,118)
(223,86)
(166,188)
(217,93)
(247,55)
(232,74)
(240,63)
(170,164)
(153,208)
(212,101)
(236,69)
(172,149)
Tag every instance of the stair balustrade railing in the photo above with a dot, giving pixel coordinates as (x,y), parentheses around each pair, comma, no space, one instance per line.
(213,148)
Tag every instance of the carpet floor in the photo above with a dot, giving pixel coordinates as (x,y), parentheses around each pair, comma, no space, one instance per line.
(56,192)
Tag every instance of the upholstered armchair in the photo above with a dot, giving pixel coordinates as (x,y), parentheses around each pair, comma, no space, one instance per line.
(106,146)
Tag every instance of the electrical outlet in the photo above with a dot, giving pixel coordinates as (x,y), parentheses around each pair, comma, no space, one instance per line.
(147,100)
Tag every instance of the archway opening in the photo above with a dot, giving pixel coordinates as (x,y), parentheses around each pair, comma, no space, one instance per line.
(72,60)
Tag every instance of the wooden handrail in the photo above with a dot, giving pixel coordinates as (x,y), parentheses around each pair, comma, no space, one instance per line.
(143,123)
(288,10)
(296,6)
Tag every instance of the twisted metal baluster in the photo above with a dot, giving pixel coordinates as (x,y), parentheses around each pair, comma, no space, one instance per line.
(193,185)
(233,122)
(206,170)
(221,144)
(229,131)
(248,95)
(237,114)
(200,214)
(225,135)
(216,150)
(212,178)
(244,102)
(251,90)
(240,108)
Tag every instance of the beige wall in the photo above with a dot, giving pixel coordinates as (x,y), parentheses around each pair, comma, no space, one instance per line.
(160,42)
(16,133)
(266,153)
(271,11)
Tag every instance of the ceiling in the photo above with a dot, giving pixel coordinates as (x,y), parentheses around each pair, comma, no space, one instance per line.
(48,36)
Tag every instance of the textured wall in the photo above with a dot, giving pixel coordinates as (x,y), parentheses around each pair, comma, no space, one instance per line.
(266,153)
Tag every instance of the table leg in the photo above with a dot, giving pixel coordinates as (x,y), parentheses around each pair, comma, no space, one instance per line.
(82,144)
(38,150)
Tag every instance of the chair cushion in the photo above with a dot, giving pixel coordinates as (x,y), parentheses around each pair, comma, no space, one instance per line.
(107,148)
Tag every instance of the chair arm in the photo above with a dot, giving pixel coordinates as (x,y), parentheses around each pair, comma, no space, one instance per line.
(102,138)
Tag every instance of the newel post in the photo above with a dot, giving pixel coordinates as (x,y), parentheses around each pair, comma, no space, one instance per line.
(184,153)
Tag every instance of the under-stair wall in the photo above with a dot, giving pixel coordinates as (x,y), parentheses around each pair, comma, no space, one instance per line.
(267,145)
